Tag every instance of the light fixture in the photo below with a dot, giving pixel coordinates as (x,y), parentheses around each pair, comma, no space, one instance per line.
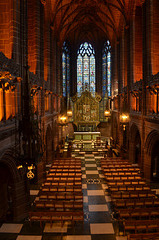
(124,120)
(69,110)
(107,113)
(69,113)
(62,120)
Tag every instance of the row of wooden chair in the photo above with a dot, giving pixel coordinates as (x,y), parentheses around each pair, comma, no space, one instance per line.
(129,187)
(62,183)
(138,213)
(141,225)
(73,179)
(111,178)
(53,188)
(64,174)
(133,203)
(75,163)
(119,169)
(121,173)
(49,216)
(126,182)
(132,194)
(60,205)
(69,164)
(64,170)
(145,236)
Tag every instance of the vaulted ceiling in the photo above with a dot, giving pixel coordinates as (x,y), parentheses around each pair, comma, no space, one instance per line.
(90,20)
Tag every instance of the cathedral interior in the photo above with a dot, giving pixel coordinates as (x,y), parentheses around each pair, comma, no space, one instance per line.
(79,119)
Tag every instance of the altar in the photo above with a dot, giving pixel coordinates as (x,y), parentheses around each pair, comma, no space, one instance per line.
(86,136)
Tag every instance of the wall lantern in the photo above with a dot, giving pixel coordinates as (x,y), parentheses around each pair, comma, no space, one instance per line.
(124,120)
(62,120)
(107,113)
(69,113)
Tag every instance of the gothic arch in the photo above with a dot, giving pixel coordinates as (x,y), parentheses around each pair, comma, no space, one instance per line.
(152,154)
(151,139)
(14,186)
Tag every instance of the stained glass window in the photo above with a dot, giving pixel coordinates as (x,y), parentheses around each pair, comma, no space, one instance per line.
(66,70)
(86,69)
(106,67)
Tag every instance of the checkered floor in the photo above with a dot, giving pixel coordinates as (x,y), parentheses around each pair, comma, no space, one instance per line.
(98,223)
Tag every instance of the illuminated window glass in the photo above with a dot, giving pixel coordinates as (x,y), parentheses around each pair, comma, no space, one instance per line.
(106,67)
(86,69)
(66,70)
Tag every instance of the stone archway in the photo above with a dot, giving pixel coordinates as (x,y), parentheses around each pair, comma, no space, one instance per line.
(14,199)
(151,163)
(48,144)
(135,145)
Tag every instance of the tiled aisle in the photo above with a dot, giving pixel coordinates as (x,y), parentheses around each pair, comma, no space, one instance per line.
(96,208)
(97,219)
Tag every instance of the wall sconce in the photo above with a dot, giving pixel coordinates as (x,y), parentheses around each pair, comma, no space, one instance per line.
(62,120)
(107,113)
(124,120)
(69,113)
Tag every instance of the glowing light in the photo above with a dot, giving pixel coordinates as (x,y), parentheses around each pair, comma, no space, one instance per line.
(63,118)
(19,167)
(69,113)
(106,113)
(124,118)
